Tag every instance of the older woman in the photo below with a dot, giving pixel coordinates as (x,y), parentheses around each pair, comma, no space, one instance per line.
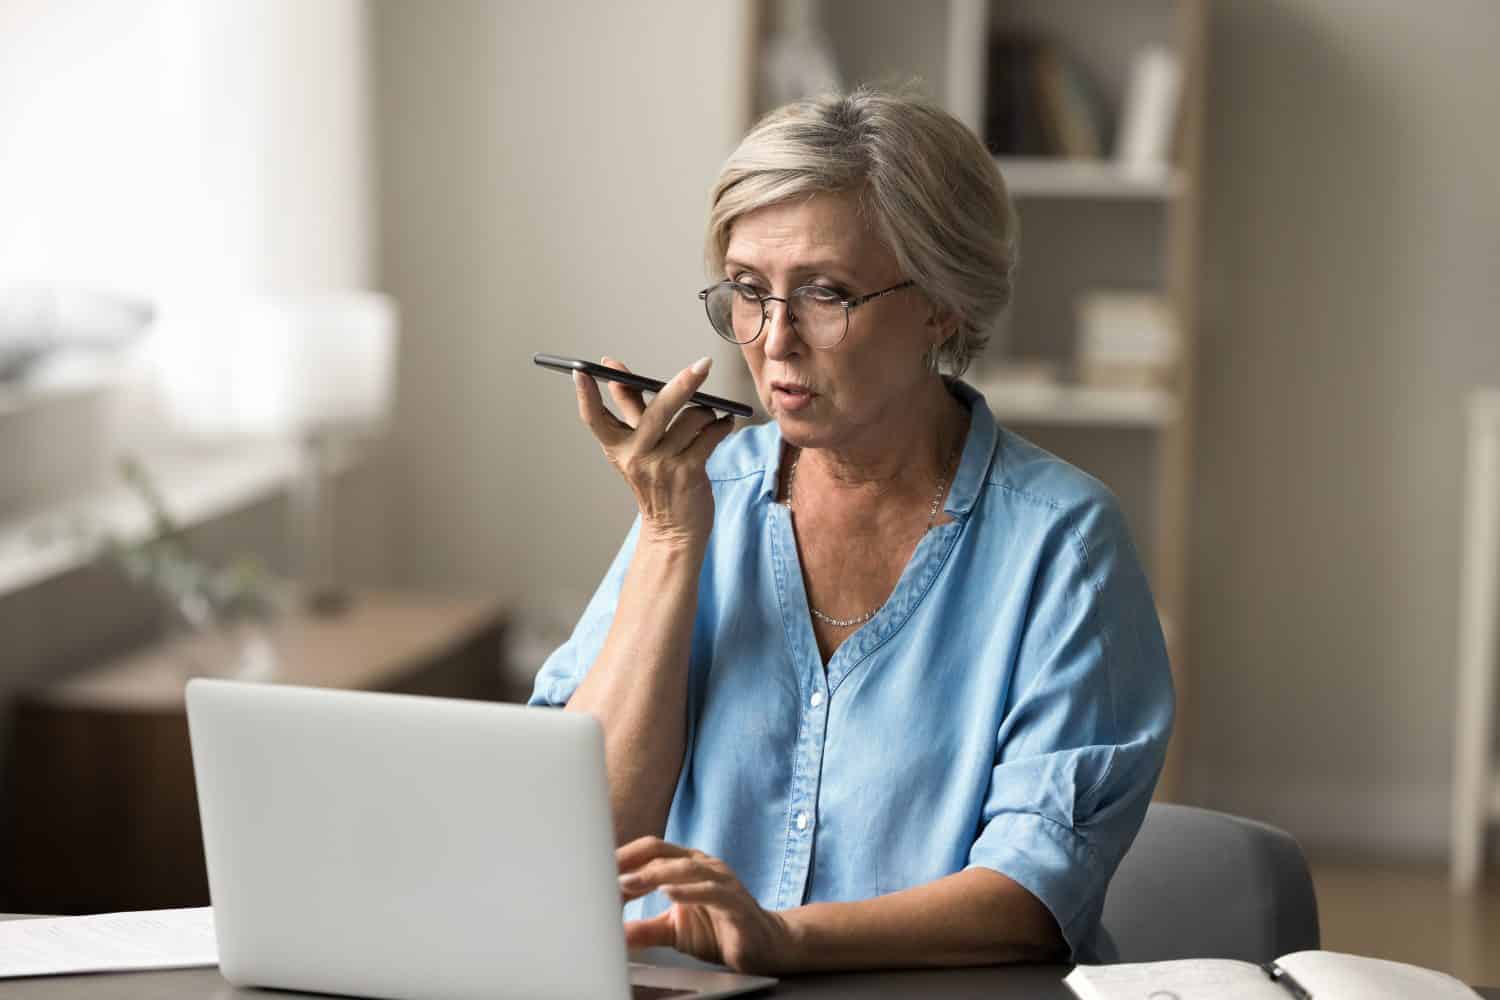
(881,683)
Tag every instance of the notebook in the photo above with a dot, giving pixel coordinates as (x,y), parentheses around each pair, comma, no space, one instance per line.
(1303,975)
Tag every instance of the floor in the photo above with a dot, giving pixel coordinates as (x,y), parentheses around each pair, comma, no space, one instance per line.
(1405,913)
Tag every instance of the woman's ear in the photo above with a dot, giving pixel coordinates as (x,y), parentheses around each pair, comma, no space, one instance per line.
(941,325)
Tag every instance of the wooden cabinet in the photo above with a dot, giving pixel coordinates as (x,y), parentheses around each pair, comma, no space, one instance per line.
(104,813)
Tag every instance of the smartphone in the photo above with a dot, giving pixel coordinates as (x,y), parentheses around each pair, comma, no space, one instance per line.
(641,382)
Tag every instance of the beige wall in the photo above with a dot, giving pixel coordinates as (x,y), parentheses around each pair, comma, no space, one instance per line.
(544,179)
(1353,250)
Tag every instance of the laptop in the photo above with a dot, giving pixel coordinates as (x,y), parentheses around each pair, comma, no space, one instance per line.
(398,846)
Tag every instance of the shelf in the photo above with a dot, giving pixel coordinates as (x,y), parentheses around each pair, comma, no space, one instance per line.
(1077,405)
(1048,177)
(196,487)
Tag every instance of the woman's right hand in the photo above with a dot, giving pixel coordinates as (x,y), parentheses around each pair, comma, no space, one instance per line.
(662,459)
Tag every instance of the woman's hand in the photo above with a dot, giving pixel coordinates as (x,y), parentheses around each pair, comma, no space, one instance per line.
(713,918)
(662,459)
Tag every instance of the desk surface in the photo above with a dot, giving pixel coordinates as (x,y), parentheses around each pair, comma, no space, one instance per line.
(1014,982)
(1042,982)
(1031,982)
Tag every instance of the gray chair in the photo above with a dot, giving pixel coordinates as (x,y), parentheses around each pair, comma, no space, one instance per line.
(1203,884)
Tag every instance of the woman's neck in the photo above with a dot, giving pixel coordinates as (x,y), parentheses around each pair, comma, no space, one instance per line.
(895,460)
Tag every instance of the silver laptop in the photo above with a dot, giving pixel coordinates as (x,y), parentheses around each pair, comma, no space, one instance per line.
(397,846)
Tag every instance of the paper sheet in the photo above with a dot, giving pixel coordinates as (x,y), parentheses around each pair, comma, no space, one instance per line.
(1185,979)
(108,942)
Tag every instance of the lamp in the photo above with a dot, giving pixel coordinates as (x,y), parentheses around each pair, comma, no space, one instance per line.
(317,368)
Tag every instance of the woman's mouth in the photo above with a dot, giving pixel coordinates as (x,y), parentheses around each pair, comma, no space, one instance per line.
(790,396)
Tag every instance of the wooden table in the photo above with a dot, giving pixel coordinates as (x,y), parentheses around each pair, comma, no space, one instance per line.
(105,816)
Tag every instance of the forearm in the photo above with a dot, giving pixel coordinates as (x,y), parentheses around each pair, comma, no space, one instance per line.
(975,917)
(637,687)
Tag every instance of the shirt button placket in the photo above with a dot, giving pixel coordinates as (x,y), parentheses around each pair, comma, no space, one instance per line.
(814,729)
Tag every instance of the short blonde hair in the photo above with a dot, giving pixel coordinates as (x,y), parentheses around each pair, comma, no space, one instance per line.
(932,191)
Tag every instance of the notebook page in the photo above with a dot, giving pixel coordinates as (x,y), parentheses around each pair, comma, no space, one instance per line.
(1332,974)
(1187,979)
(108,942)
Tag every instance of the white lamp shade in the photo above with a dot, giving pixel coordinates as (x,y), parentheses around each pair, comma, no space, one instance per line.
(313,362)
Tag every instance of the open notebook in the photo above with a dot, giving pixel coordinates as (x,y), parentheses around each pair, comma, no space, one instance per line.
(1304,975)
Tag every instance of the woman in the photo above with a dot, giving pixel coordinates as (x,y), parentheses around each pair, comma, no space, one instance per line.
(881,683)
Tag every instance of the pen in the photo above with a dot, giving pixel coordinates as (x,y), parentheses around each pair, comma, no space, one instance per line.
(1280,975)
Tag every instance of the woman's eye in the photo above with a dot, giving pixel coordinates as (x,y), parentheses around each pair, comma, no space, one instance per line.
(746,290)
(822,293)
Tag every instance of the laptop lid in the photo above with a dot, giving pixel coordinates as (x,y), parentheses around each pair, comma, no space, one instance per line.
(401,846)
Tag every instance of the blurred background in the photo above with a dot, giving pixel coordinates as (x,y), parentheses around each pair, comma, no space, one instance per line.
(271,274)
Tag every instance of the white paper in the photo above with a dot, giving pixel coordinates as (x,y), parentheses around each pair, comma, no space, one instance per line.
(1371,978)
(1187,979)
(108,942)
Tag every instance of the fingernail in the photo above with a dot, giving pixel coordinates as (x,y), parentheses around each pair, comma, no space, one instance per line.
(701,366)
(629,881)
(578,380)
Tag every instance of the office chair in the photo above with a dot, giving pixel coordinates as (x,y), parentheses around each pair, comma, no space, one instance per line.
(1204,884)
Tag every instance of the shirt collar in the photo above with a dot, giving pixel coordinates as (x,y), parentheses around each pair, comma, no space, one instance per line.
(973,466)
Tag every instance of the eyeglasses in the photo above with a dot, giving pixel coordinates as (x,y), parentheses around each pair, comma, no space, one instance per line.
(738,312)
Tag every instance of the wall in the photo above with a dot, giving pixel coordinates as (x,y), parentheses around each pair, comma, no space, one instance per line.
(544,176)
(1353,250)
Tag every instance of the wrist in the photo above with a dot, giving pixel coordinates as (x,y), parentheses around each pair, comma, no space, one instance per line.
(670,541)
(793,949)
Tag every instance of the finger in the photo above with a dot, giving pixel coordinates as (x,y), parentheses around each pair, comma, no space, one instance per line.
(709,438)
(685,429)
(673,397)
(605,425)
(657,932)
(668,871)
(630,401)
(704,893)
(641,850)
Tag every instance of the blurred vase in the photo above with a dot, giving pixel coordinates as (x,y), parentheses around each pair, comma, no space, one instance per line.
(247,649)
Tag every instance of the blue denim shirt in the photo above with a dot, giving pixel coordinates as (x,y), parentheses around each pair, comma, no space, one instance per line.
(1008,707)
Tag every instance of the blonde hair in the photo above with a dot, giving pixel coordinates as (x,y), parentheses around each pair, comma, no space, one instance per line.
(931,190)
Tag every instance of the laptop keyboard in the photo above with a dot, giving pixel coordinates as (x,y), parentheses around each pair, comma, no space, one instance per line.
(657,992)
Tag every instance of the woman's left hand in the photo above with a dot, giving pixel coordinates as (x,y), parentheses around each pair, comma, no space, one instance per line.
(713,918)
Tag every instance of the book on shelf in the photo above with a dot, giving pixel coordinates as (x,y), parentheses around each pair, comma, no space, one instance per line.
(1069,113)
(1304,975)
(1148,117)
(1039,102)
(1126,339)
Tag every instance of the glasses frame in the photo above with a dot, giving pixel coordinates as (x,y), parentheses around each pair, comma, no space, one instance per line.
(765,311)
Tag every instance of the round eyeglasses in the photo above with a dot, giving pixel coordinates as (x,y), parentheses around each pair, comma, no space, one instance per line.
(739,312)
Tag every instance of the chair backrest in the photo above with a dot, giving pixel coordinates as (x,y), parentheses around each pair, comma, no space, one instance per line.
(1204,884)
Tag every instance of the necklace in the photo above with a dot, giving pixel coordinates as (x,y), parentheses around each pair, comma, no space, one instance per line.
(937,497)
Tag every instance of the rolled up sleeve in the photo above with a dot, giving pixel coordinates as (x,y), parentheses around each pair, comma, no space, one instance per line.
(1084,733)
(569,663)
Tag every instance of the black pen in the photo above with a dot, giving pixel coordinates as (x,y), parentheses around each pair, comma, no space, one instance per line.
(1280,975)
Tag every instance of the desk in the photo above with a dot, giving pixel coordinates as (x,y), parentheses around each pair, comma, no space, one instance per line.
(105,813)
(1015,982)
(1034,982)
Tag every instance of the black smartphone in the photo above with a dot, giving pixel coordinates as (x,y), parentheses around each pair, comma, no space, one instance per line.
(640,382)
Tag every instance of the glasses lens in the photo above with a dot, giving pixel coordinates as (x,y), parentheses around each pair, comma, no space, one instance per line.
(821,316)
(735,311)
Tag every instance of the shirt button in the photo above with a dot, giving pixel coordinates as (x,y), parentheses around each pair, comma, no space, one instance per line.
(802,821)
(817,699)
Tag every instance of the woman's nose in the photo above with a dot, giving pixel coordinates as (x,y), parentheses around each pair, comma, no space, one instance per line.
(781,333)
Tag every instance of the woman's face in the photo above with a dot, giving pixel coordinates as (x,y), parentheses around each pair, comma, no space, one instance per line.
(851,394)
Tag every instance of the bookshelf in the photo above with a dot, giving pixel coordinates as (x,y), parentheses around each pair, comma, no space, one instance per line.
(1088,225)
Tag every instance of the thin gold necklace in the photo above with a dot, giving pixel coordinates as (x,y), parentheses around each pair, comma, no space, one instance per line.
(937,497)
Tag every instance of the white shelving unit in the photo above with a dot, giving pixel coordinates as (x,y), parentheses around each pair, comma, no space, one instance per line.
(1086,225)
(1039,177)
(1079,405)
